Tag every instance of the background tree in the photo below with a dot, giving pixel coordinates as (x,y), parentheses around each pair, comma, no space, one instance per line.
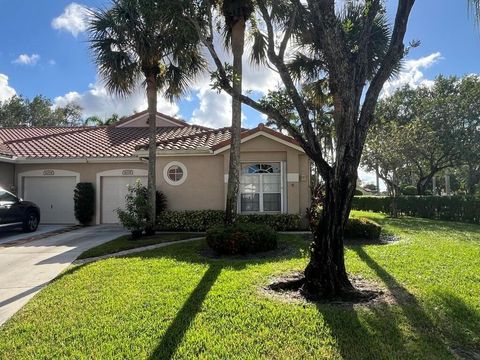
(355,52)
(424,131)
(39,111)
(98,121)
(137,41)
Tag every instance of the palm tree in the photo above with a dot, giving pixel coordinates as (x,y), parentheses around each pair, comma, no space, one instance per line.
(140,42)
(98,121)
(475,6)
(236,13)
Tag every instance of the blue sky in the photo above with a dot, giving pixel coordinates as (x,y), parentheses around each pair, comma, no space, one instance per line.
(61,67)
(44,50)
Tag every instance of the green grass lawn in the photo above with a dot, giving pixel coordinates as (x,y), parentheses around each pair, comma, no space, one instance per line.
(125,243)
(175,303)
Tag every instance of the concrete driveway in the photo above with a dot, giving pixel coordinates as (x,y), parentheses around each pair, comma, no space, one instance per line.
(26,267)
(9,235)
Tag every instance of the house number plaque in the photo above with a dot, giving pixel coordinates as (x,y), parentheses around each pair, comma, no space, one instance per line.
(127,172)
(48,172)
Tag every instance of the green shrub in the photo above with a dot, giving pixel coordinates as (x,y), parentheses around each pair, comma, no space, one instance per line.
(278,222)
(358,192)
(135,215)
(455,208)
(241,238)
(201,220)
(362,228)
(84,202)
(409,190)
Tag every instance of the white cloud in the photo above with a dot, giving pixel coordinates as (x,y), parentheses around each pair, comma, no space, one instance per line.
(97,100)
(411,74)
(214,109)
(6,91)
(74,19)
(25,59)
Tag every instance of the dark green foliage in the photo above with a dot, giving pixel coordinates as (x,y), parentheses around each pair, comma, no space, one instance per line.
(358,192)
(362,228)
(161,202)
(409,190)
(454,208)
(201,220)
(39,111)
(84,199)
(241,238)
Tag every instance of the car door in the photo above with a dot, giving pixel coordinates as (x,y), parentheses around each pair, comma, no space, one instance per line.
(10,211)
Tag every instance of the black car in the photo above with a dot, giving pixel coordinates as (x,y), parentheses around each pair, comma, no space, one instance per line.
(14,212)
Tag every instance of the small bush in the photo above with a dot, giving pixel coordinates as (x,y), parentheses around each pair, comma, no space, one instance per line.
(135,215)
(241,239)
(201,220)
(358,192)
(409,190)
(84,199)
(362,228)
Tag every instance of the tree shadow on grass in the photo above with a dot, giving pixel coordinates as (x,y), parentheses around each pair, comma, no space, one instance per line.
(175,333)
(380,331)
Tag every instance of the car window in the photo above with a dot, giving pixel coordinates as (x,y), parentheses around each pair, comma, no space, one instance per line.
(5,196)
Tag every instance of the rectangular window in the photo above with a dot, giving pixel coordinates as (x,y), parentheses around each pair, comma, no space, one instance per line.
(272,202)
(250,202)
(261,188)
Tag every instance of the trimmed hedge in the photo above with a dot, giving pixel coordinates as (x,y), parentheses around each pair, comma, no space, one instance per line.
(201,220)
(241,239)
(454,208)
(84,202)
(362,228)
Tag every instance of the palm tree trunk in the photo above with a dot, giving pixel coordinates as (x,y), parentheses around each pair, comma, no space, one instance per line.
(152,150)
(238,40)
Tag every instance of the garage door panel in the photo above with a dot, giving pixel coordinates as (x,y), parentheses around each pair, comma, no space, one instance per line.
(114,190)
(54,196)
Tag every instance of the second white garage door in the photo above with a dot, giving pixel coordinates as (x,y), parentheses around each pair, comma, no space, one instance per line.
(114,189)
(54,196)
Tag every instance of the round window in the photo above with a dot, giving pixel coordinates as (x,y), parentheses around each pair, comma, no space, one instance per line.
(175,173)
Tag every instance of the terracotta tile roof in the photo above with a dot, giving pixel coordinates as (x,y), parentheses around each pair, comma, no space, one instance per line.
(83,142)
(93,142)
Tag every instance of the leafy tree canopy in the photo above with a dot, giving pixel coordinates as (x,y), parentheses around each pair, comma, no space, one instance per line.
(39,111)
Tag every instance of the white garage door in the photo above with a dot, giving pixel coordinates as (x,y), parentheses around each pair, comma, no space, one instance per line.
(114,189)
(54,196)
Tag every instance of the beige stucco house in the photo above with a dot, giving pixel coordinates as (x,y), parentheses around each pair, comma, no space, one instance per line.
(44,164)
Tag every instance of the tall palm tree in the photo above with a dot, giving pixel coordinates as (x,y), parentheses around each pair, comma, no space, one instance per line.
(236,13)
(141,42)
(475,6)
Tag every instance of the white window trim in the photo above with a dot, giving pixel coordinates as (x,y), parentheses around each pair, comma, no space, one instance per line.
(283,190)
(170,181)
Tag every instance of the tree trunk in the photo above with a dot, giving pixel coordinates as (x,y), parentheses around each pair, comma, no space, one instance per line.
(325,275)
(238,39)
(152,151)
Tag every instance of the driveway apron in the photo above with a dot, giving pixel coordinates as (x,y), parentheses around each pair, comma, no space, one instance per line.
(26,267)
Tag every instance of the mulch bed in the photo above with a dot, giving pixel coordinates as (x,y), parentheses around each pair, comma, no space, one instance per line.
(287,288)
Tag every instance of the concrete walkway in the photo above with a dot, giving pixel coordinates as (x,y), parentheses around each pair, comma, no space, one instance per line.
(27,267)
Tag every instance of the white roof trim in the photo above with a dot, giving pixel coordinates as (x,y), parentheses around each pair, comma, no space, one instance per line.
(267,135)
(128,159)
(125,124)
(203,151)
